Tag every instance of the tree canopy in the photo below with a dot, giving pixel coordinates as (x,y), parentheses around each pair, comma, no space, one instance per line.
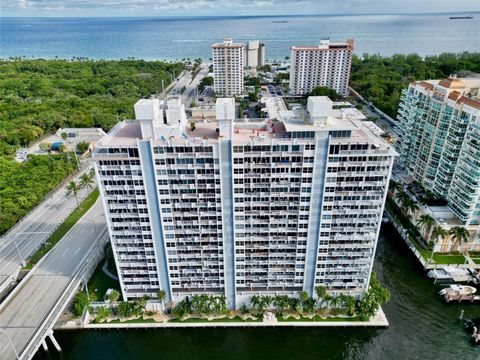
(380,79)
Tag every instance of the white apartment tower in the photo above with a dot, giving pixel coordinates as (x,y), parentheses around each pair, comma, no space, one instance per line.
(327,64)
(228,64)
(255,54)
(439,141)
(242,208)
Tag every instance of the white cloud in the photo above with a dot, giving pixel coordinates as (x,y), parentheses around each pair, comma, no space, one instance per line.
(231,7)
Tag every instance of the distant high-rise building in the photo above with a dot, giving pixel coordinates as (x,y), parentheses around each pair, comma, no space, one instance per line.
(228,64)
(255,54)
(243,208)
(439,141)
(327,64)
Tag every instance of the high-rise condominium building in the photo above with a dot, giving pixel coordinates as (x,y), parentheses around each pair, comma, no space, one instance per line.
(439,141)
(255,54)
(228,63)
(327,64)
(243,208)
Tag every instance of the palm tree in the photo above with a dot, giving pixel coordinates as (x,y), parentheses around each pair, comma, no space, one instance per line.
(162,295)
(437,233)
(394,186)
(336,302)
(86,181)
(401,197)
(348,303)
(73,188)
(426,222)
(409,207)
(459,235)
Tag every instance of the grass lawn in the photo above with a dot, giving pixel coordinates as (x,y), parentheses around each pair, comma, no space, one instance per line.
(101,282)
(140,320)
(64,227)
(476,260)
(449,259)
(225,319)
(317,318)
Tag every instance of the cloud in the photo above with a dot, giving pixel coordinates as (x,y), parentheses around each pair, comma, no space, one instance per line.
(225,7)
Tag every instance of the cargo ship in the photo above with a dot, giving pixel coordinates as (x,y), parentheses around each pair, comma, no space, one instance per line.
(461,17)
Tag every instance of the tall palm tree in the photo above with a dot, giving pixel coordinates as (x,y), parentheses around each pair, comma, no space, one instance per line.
(409,207)
(426,222)
(86,181)
(336,302)
(162,295)
(437,234)
(459,235)
(401,197)
(73,188)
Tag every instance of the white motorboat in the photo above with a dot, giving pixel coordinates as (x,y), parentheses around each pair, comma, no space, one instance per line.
(449,273)
(456,289)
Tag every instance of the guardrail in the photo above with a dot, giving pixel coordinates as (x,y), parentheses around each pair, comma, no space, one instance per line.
(88,264)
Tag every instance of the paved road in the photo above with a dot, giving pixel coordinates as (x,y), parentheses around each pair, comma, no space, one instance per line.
(190,86)
(33,230)
(22,317)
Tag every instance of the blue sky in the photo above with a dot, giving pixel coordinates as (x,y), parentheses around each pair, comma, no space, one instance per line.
(228,7)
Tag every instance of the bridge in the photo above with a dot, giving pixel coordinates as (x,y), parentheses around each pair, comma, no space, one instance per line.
(29,312)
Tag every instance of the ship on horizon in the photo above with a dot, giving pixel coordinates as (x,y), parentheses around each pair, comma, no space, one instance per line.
(464,17)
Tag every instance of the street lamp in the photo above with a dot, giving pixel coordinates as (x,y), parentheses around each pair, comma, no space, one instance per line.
(10,341)
(18,250)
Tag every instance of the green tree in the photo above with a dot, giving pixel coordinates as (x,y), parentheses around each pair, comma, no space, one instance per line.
(114,296)
(459,235)
(73,188)
(102,313)
(426,222)
(438,233)
(82,147)
(325,91)
(86,181)
(44,146)
(162,296)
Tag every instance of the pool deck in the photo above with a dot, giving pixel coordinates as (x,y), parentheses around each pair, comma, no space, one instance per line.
(377,321)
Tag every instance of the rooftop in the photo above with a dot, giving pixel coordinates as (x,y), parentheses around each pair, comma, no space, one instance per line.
(128,132)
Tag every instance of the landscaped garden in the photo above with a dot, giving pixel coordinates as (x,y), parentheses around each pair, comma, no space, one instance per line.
(425,223)
(210,308)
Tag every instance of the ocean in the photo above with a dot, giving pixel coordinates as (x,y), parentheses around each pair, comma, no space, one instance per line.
(177,38)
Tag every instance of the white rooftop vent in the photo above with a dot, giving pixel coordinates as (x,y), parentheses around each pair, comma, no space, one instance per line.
(319,108)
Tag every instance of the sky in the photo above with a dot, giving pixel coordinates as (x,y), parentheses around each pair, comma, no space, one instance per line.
(229,7)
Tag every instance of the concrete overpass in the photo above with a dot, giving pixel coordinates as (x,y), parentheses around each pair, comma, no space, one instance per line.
(28,314)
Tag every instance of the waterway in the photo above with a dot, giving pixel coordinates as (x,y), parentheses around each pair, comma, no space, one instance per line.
(422,326)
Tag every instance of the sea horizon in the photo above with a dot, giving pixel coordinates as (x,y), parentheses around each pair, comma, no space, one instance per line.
(176,37)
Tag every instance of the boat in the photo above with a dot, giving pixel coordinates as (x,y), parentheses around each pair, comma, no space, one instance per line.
(449,273)
(459,290)
(461,17)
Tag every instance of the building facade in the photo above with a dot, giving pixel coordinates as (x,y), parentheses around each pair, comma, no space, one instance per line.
(439,141)
(255,54)
(327,64)
(228,64)
(243,208)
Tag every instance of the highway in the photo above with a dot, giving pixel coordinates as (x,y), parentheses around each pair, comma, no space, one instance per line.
(31,231)
(190,86)
(23,313)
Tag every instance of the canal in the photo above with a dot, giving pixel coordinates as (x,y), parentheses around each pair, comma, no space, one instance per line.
(422,326)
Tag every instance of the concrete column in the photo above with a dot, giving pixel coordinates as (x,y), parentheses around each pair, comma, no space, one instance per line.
(54,341)
(44,344)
